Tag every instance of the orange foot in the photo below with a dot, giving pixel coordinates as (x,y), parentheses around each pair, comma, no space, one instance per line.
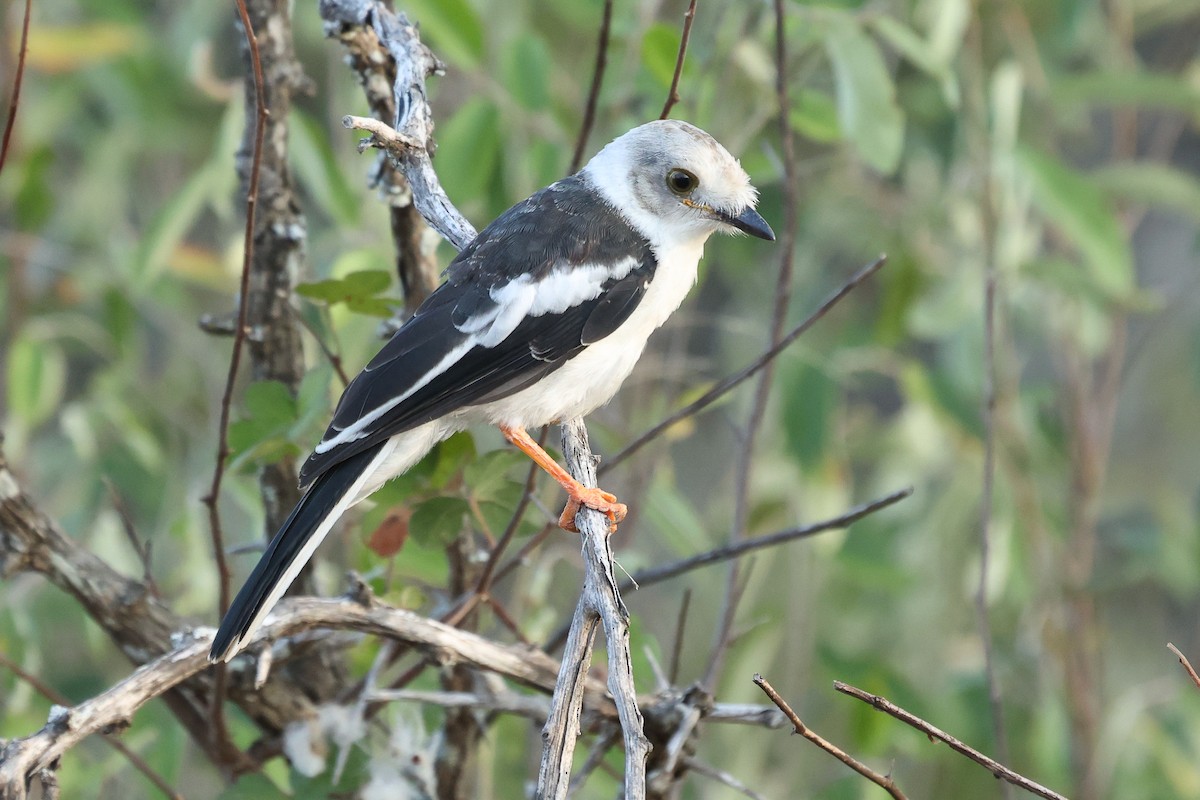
(598,499)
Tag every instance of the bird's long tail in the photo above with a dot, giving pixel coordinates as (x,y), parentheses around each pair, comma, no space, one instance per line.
(310,521)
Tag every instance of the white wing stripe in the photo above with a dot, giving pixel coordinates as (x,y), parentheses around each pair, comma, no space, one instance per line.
(357,430)
(564,288)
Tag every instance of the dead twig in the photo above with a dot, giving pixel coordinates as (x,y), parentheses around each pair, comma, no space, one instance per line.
(217,707)
(1187,665)
(995,767)
(133,758)
(762,392)
(883,781)
(673,93)
(18,77)
(589,111)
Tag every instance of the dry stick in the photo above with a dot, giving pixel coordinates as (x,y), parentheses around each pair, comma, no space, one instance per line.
(18,76)
(720,776)
(722,387)
(219,731)
(995,767)
(589,113)
(680,625)
(884,781)
(1186,664)
(599,604)
(53,696)
(783,293)
(673,93)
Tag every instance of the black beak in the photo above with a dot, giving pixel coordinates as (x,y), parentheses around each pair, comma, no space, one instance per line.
(751,222)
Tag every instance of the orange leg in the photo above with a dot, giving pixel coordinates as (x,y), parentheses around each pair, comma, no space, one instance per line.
(578,494)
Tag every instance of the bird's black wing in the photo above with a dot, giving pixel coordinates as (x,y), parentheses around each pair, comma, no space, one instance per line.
(553,274)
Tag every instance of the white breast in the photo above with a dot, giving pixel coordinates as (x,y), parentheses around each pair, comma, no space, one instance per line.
(589,380)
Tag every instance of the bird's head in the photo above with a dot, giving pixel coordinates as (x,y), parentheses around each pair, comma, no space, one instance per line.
(671,177)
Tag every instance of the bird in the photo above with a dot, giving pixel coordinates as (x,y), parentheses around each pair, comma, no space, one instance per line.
(540,318)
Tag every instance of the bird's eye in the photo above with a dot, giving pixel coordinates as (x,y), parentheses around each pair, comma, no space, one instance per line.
(682,182)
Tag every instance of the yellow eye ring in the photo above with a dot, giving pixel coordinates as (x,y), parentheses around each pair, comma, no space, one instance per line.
(682,182)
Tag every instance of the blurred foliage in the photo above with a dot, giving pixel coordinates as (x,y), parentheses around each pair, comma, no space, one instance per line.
(1053,141)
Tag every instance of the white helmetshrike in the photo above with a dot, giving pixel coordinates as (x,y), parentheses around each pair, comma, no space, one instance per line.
(541,318)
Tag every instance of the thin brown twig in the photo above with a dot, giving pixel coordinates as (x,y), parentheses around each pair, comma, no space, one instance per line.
(1186,664)
(722,387)
(220,732)
(995,767)
(18,76)
(883,781)
(762,392)
(331,356)
(673,94)
(48,691)
(589,112)
(680,625)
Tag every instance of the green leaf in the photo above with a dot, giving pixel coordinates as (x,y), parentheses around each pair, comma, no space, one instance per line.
(660,49)
(1074,204)
(866,96)
(810,398)
(1126,88)
(172,222)
(1153,184)
(438,519)
(37,376)
(311,156)
(489,474)
(814,114)
(452,28)
(469,150)
(355,287)
(450,457)
(271,411)
(526,67)
(920,53)
(35,198)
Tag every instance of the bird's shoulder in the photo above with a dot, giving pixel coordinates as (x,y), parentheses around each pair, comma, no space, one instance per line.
(567,224)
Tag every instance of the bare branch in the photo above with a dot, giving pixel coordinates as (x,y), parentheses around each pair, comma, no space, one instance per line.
(995,767)
(762,392)
(884,781)
(600,603)
(1187,665)
(673,93)
(720,776)
(589,113)
(53,696)
(658,574)
(18,76)
(728,383)
(409,140)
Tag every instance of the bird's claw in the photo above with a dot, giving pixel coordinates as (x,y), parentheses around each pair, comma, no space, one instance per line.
(600,500)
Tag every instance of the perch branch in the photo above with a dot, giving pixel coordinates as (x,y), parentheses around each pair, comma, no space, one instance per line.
(995,767)
(599,604)
(884,781)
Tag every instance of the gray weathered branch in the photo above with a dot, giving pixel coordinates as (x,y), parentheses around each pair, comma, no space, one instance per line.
(599,604)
